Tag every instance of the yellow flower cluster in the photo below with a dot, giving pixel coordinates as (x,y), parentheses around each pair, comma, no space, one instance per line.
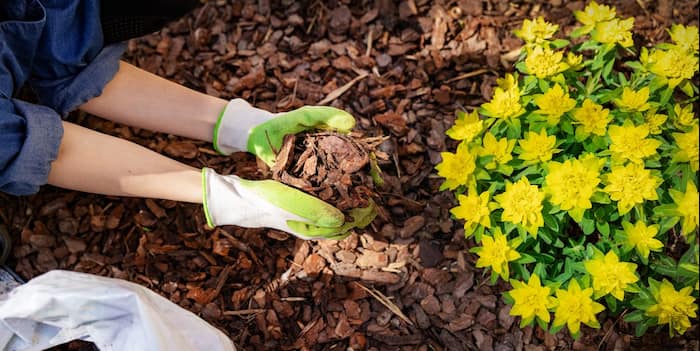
(505,103)
(496,252)
(574,173)
(606,28)
(543,62)
(571,184)
(522,204)
(456,168)
(629,142)
(630,185)
(673,307)
(610,276)
(678,62)
(554,103)
(536,31)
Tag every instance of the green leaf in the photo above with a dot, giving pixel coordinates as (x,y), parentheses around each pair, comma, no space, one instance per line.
(600,197)
(607,69)
(587,225)
(545,236)
(540,270)
(643,326)
(611,301)
(525,259)
(555,329)
(551,222)
(520,66)
(667,223)
(634,317)
(559,244)
(603,228)
(560,43)
(687,88)
(635,65)
(665,96)
(521,271)
(579,31)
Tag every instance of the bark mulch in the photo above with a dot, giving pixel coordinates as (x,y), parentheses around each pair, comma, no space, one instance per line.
(406,282)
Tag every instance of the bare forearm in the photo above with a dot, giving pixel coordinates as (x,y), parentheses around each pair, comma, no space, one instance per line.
(98,163)
(141,99)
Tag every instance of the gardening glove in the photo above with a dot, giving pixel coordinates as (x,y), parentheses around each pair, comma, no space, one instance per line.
(242,127)
(230,200)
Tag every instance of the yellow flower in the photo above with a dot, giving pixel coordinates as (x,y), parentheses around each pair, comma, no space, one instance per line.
(501,150)
(610,276)
(630,185)
(571,184)
(592,14)
(654,121)
(575,306)
(531,300)
(634,100)
(573,60)
(686,38)
(642,237)
(505,103)
(673,307)
(544,62)
(456,168)
(688,206)
(688,147)
(467,126)
(507,82)
(537,147)
(522,204)
(629,142)
(592,118)
(673,64)
(614,31)
(684,116)
(536,31)
(496,252)
(554,103)
(474,210)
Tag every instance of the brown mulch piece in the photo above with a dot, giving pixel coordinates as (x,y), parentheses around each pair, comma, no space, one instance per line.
(331,166)
(407,281)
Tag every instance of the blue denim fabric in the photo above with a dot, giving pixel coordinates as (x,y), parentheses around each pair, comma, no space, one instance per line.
(56,46)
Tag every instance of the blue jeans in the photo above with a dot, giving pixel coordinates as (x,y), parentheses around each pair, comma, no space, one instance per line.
(56,47)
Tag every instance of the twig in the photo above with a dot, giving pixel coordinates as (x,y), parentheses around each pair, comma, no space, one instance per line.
(369,43)
(386,302)
(340,91)
(467,75)
(293,299)
(607,334)
(244,312)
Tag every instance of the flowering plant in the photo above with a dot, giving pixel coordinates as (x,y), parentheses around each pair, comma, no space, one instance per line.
(578,179)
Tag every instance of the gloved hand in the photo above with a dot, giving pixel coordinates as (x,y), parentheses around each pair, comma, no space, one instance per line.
(243,127)
(230,200)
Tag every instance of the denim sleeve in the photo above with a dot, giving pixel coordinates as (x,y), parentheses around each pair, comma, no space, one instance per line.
(30,136)
(80,83)
(71,65)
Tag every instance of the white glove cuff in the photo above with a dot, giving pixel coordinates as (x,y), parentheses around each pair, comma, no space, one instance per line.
(234,125)
(228,202)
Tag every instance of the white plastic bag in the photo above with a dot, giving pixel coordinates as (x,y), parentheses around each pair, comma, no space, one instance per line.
(116,315)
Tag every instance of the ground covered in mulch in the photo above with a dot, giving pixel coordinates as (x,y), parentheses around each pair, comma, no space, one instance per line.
(406,282)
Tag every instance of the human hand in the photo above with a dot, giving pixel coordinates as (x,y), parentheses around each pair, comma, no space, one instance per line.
(230,200)
(244,127)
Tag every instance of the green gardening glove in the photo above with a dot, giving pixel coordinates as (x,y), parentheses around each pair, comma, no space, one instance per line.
(230,200)
(244,127)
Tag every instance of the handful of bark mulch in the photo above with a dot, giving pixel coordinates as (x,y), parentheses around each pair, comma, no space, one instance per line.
(337,168)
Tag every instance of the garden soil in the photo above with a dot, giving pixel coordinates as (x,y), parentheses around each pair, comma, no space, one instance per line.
(407,281)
